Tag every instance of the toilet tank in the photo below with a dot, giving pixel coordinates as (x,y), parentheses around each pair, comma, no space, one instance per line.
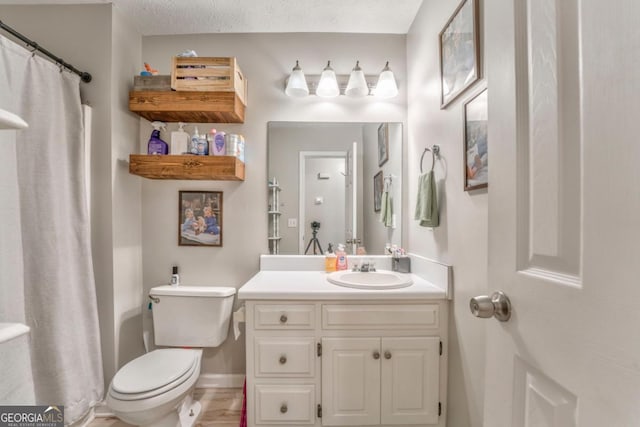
(191,316)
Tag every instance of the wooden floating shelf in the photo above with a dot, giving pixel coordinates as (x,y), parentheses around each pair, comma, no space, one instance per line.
(220,168)
(187,106)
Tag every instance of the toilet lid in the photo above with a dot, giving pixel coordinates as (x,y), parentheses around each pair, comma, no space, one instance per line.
(153,370)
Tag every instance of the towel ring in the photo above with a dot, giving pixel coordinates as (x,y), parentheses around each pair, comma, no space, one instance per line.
(435,151)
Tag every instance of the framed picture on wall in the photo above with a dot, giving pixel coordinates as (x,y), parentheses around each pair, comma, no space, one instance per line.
(459,52)
(476,148)
(200,218)
(378,184)
(383,143)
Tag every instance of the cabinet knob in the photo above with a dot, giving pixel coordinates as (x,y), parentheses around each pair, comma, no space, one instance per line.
(284,408)
(376,355)
(283,318)
(387,355)
(283,359)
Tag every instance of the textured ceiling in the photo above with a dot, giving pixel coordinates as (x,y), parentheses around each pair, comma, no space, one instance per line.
(162,17)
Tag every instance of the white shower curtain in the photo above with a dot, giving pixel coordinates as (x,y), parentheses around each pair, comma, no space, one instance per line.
(59,289)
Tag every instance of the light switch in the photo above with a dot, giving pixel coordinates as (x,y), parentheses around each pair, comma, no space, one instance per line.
(292,222)
(318,200)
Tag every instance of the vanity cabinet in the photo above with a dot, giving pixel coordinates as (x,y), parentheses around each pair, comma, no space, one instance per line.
(372,381)
(346,363)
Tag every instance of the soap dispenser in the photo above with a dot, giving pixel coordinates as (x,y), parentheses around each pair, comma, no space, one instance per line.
(175,277)
(330,260)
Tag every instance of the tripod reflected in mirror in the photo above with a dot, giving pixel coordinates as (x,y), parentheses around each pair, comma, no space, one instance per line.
(315,226)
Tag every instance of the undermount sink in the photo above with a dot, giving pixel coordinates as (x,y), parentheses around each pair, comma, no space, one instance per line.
(380,279)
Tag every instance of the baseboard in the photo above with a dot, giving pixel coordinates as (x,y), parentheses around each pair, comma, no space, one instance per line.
(101,410)
(220,381)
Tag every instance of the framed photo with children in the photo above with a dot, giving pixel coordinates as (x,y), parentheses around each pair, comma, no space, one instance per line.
(200,218)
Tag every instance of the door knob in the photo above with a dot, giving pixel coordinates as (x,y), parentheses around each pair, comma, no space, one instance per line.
(497,305)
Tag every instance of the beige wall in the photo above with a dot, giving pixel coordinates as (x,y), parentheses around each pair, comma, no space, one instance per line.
(461,239)
(96,39)
(126,209)
(266,60)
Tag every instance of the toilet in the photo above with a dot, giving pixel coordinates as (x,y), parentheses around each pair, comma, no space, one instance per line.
(156,389)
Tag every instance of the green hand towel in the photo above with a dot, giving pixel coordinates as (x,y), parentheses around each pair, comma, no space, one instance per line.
(386,210)
(427,203)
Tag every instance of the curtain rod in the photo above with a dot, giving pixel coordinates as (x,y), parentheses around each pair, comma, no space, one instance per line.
(84,76)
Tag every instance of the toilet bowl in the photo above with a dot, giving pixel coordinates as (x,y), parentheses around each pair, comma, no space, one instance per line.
(156,389)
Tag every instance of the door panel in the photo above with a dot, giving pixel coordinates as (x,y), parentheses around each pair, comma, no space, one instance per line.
(350,381)
(410,380)
(564,234)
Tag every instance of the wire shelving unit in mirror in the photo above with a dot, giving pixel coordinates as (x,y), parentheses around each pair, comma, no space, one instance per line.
(273,211)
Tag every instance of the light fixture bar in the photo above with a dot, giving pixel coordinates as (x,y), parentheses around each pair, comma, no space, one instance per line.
(343,79)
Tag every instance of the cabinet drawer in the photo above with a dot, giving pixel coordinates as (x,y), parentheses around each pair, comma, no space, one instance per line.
(284,316)
(284,404)
(284,356)
(383,316)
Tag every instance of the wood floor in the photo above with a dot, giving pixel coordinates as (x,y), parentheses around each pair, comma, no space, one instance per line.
(221,407)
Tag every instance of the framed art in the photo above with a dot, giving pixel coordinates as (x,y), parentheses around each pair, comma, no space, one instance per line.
(200,218)
(378,184)
(476,148)
(383,143)
(459,52)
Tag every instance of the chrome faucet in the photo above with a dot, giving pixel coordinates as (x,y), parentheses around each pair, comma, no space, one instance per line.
(365,267)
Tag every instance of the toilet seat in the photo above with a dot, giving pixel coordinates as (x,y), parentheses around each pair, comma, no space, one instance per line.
(154,373)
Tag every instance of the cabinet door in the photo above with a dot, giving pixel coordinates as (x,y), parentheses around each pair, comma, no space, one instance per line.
(410,380)
(350,381)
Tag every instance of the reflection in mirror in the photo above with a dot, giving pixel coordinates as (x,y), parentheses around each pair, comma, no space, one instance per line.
(336,183)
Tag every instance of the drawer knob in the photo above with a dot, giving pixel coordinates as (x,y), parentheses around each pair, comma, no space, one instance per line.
(376,355)
(283,360)
(387,355)
(284,408)
(283,318)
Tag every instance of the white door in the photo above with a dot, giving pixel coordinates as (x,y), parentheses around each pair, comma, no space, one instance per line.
(322,200)
(351,202)
(350,381)
(410,380)
(564,212)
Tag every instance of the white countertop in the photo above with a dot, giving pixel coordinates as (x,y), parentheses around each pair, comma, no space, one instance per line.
(313,285)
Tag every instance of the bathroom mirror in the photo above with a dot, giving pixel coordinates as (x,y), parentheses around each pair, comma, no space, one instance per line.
(322,188)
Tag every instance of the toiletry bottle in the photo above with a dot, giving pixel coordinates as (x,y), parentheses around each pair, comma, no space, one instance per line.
(179,140)
(219,144)
(157,145)
(194,142)
(175,277)
(211,141)
(341,258)
(203,147)
(330,260)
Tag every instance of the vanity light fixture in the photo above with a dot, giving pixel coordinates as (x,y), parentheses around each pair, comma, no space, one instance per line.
(386,87)
(297,84)
(354,85)
(328,85)
(357,85)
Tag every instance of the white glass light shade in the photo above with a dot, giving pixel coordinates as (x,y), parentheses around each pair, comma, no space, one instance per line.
(357,85)
(386,87)
(328,85)
(297,84)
